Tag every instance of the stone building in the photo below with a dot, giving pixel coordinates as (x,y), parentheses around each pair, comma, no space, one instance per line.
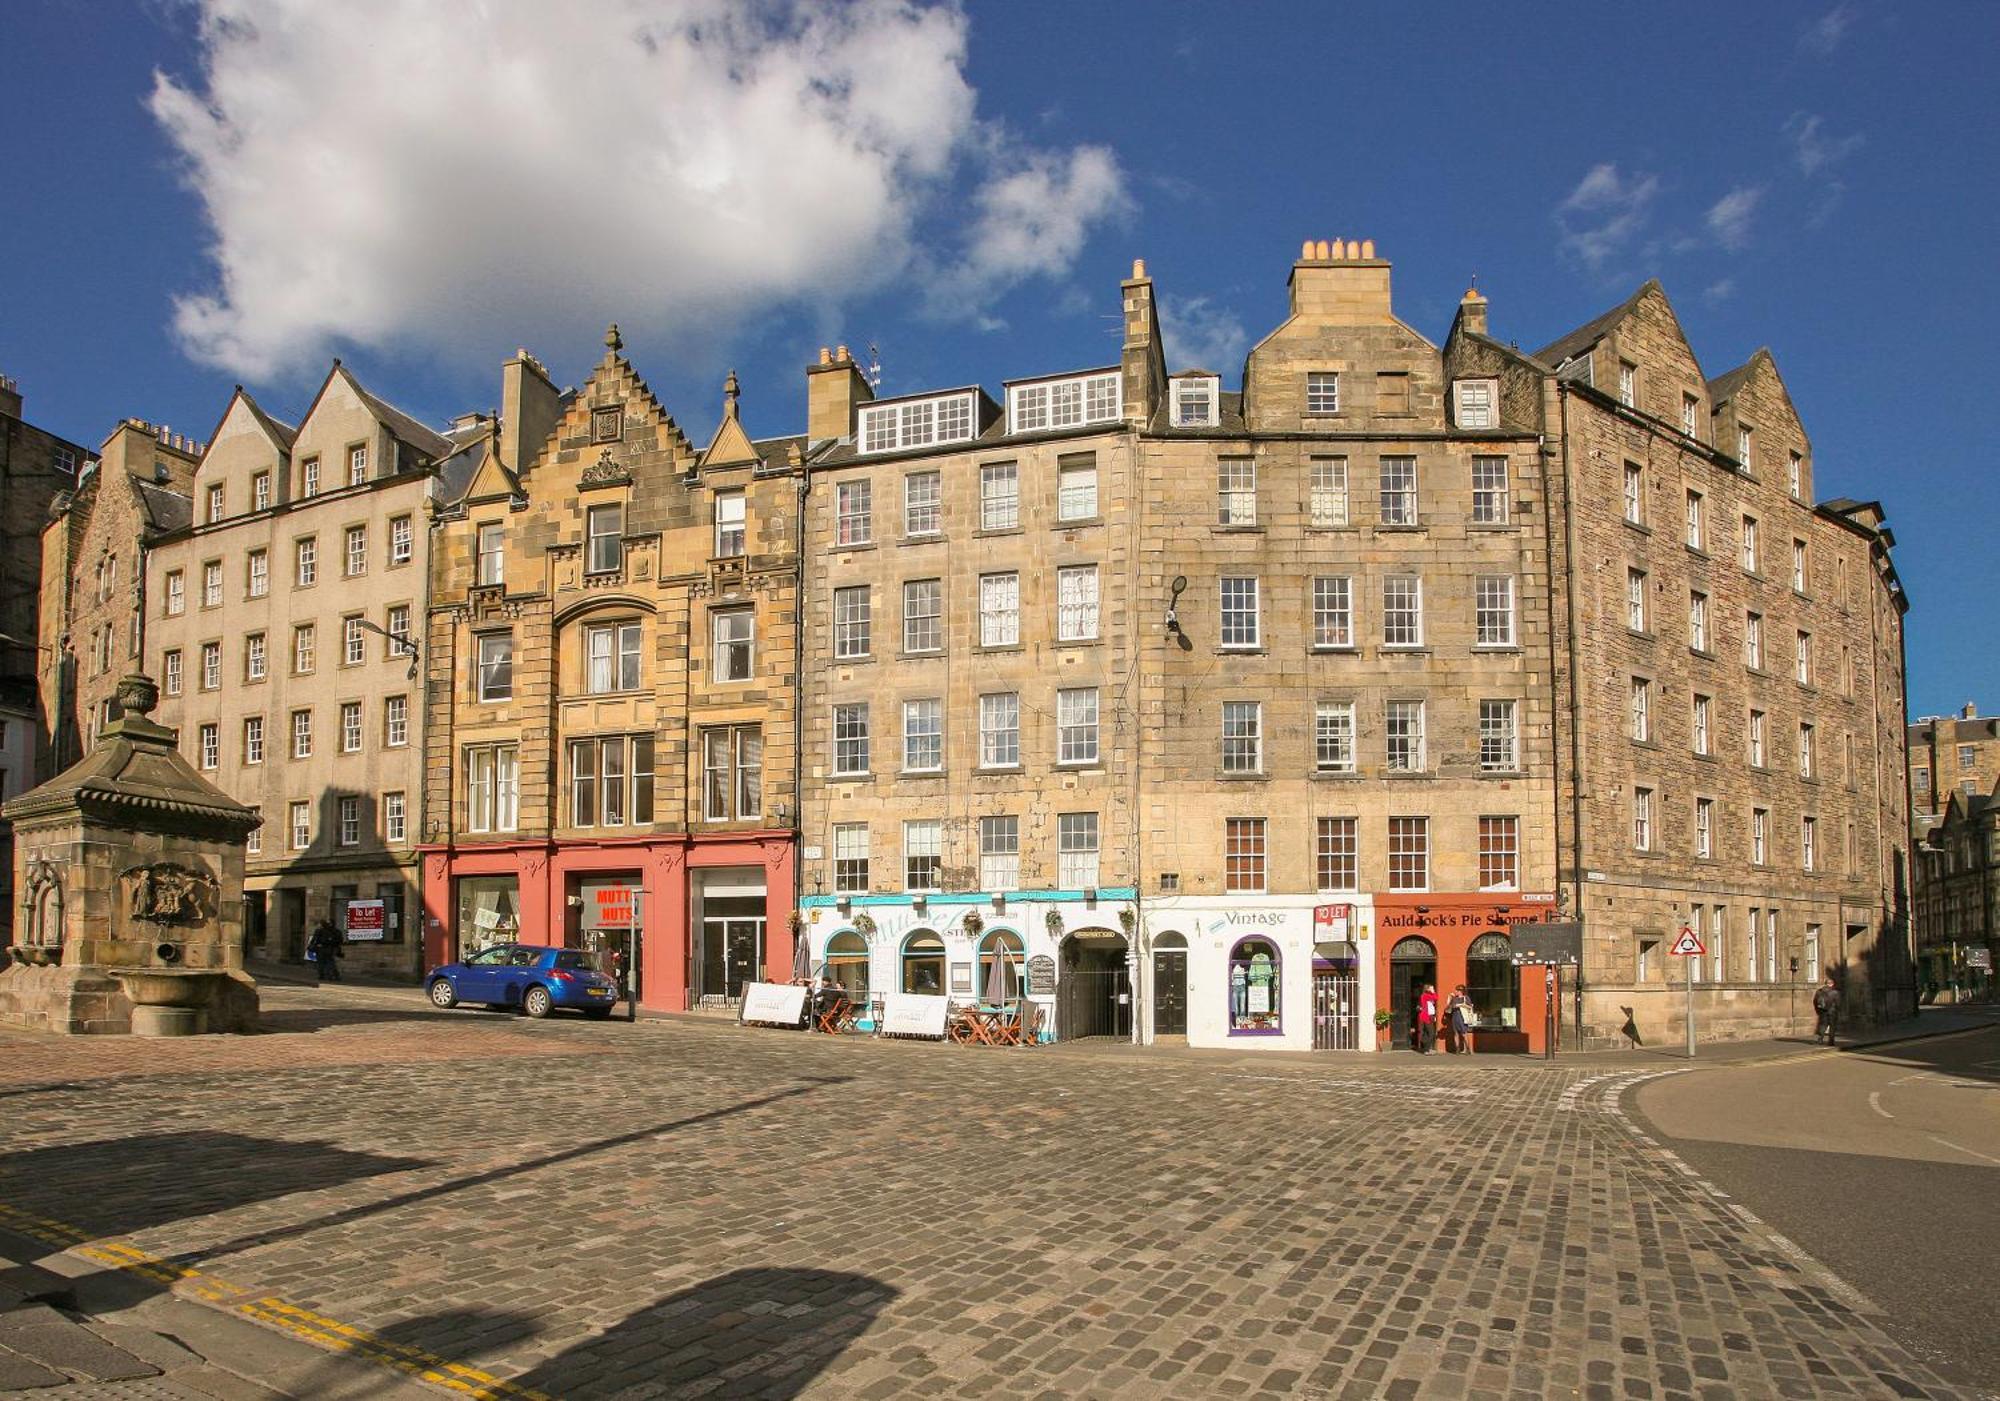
(1396,649)
(611,670)
(1951,754)
(36,467)
(1346,772)
(278,626)
(967,690)
(1728,660)
(93,607)
(1958,895)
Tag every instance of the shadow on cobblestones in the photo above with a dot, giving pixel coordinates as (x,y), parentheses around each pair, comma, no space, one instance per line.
(148,1180)
(763,1333)
(351,1215)
(295,1020)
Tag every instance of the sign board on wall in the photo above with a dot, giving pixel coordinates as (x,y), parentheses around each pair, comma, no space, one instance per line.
(611,906)
(1553,942)
(1041,976)
(365,921)
(1332,921)
(913,1014)
(774,1004)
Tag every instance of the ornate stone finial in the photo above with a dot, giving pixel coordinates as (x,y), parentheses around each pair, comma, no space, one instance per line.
(731,391)
(613,342)
(137,694)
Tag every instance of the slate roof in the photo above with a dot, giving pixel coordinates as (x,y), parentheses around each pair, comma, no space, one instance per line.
(1593,331)
(165,508)
(1728,382)
(426,440)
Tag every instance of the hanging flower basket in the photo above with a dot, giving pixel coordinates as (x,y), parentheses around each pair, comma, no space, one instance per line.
(972,923)
(864,924)
(1126,920)
(1053,922)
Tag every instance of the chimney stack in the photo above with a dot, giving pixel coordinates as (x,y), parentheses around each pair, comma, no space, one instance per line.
(530,408)
(1472,312)
(10,398)
(1342,281)
(1971,712)
(1143,361)
(835,387)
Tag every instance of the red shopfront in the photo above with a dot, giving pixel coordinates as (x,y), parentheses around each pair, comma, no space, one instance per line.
(708,914)
(1446,940)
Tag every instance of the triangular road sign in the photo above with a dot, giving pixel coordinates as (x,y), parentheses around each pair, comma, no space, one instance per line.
(1686,945)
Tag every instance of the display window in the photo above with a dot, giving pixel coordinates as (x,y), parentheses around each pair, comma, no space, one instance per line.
(1493,982)
(923,963)
(847,964)
(1254,986)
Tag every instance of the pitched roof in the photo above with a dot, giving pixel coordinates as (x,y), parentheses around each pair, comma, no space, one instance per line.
(473,448)
(165,508)
(1593,331)
(1724,385)
(426,440)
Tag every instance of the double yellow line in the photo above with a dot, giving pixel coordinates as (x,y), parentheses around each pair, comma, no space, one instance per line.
(271,1311)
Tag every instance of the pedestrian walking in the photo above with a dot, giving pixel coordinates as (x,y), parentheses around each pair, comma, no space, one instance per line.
(1427,1020)
(325,948)
(1458,1022)
(1826,1010)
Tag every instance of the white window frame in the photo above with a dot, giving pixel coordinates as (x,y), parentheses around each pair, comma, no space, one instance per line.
(851,740)
(853,512)
(923,616)
(1076,850)
(1402,611)
(1476,404)
(733,636)
(1493,610)
(396,722)
(350,727)
(402,539)
(923,735)
(923,503)
(1236,491)
(604,538)
(1396,500)
(999,496)
(1702,737)
(613,657)
(1076,489)
(1051,405)
(923,854)
(853,622)
(253,739)
(732,524)
(1499,737)
(1076,603)
(1077,726)
(492,552)
(1197,401)
(999,853)
(488,662)
(1333,611)
(395,817)
(1000,730)
(1322,393)
(1642,819)
(1492,500)
(1333,737)
(1328,503)
(355,540)
(1697,621)
(915,423)
(1403,738)
(1704,828)
(1000,609)
(1241,613)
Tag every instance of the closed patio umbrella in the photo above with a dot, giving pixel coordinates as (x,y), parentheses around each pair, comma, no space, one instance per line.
(801,958)
(996,979)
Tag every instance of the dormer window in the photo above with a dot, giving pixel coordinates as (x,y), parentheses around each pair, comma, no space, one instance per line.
(1474,403)
(1051,404)
(1195,402)
(916,423)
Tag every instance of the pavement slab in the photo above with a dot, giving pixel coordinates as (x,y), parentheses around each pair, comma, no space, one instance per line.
(684,1207)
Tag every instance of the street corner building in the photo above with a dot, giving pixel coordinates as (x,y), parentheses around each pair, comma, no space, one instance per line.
(278,621)
(1245,715)
(610,660)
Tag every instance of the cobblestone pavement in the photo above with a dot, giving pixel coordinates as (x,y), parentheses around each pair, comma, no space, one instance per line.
(681,1208)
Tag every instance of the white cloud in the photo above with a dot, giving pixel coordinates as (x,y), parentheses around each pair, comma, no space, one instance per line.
(1812,149)
(1202,335)
(462,173)
(1604,213)
(1716,293)
(1823,35)
(1729,217)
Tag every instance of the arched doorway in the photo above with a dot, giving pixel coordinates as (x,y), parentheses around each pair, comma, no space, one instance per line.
(1336,996)
(1493,982)
(1412,964)
(1094,992)
(847,964)
(923,963)
(1170,955)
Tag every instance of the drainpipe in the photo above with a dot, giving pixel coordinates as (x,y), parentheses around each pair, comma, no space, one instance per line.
(799,706)
(1575,717)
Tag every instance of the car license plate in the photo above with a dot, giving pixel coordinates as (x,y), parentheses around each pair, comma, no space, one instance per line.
(600,992)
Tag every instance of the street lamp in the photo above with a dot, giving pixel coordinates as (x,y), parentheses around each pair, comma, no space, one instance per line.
(1792,1021)
(402,642)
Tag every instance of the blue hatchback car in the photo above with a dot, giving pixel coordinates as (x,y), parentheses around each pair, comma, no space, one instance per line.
(533,977)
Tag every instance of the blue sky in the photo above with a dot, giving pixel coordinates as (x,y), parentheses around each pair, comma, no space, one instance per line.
(195,203)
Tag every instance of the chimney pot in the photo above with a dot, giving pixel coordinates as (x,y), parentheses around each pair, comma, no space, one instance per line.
(841,355)
(1320,251)
(1306,251)
(1367,247)
(1971,711)
(825,355)
(1138,268)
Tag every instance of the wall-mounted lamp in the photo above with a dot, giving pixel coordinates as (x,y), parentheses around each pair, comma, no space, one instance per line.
(844,903)
(920,903)
(1090,895)
(999,902)
(575,902)
(1174,606)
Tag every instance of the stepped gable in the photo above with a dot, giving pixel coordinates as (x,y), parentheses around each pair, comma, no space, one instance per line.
(648,428)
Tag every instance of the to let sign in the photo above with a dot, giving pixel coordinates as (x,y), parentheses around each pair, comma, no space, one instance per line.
(364,921)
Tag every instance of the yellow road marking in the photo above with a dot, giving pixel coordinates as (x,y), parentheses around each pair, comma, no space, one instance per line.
(274,1312)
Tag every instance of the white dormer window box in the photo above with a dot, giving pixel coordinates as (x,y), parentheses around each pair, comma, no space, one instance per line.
(916,423)
(1476,403)
(1195,402)
(1048,405)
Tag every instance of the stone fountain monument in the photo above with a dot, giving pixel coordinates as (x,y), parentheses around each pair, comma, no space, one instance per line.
(130,868)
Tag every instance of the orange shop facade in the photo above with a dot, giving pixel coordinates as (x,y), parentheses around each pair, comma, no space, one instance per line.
(703,915)
(1445,940)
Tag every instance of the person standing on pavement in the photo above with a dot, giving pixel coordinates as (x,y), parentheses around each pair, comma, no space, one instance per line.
(1427,1020)
(1826,1010)
(1458,1022)
(324,946)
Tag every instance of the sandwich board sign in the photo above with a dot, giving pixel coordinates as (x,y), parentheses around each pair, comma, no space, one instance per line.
(1686,944)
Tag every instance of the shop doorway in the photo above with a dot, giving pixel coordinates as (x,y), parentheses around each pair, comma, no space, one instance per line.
(728,946)
(1412,965)
(1170,985)
(254,930)
(292,923)
(1094,994)
(1336,997)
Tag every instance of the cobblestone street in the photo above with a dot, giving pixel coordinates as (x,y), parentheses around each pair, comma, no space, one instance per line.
(680,1208)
